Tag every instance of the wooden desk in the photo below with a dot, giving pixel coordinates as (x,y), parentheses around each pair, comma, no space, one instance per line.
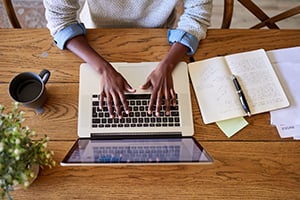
(254,164)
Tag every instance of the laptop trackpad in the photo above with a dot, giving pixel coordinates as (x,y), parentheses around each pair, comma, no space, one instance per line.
(136,73)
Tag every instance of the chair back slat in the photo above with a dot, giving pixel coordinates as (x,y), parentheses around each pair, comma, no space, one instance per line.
(266,21)
(11,14)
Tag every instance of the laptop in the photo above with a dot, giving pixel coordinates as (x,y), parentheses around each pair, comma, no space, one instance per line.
(137,138)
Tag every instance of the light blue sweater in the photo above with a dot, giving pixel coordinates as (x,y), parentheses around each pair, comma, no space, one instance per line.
(69,18)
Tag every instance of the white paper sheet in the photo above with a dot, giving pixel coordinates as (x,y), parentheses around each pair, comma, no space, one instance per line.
(286,63)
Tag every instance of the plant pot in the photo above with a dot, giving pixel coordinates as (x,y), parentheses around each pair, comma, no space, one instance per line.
(35,169)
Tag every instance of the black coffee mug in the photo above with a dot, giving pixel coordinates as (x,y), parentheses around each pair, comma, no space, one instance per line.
(29,89)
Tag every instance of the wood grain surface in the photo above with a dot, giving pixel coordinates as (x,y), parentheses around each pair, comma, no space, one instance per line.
(241,170)
(253,164)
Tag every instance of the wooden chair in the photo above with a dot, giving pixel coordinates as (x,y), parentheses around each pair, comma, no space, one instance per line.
(11,14)
(255,10)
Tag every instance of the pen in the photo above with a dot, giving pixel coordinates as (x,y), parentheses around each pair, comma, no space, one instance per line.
(241,95)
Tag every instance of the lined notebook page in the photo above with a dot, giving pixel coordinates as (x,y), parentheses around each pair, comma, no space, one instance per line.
(215,92)
(258,80)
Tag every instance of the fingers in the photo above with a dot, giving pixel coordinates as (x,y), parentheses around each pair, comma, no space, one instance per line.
(162,93)
(101,100)
(167,103)
(158,104)
(147,85)
(159,96)
(114,104)
(124,102)
(109,105)
(116,101)
(173,97)
(166,98)
(170,100)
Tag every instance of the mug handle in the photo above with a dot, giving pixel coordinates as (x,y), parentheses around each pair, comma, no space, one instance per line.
(45,74)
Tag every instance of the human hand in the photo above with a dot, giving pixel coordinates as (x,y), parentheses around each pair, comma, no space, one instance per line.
(113,87)
(113,84)
(161,82)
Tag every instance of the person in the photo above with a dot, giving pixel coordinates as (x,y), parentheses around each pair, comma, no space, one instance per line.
(67,21)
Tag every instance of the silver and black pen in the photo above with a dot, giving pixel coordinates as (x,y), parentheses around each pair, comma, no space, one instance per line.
(241,95)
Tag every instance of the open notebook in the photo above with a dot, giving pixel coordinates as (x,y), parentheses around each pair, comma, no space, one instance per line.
(216,94)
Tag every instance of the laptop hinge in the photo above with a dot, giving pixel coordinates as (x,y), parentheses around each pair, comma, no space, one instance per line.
(135,135)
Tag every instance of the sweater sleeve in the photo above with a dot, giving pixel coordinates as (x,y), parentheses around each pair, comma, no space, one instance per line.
(62,20)
(61,13)
(192,25)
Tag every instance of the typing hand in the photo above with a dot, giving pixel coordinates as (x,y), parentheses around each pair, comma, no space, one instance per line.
(114,86)
(161,82)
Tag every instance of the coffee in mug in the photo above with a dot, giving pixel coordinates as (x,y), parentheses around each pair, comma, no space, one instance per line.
(29,89)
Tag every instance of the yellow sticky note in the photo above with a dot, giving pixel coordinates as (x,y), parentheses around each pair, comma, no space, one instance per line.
(232,126)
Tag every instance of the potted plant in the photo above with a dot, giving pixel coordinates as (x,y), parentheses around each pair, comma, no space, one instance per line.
(22,153)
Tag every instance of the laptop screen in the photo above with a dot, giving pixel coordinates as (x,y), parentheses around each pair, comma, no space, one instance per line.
(136,151)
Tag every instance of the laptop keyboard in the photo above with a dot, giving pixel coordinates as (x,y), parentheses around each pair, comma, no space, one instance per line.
(138,116)
(136,153)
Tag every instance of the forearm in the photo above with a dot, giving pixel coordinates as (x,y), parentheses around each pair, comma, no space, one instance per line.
(80,47)
(175,55)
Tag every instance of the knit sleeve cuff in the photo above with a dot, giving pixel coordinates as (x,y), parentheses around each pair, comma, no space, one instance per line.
(185,38)
(67,33)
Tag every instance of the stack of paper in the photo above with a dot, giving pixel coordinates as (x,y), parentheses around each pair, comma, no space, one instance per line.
(286,63)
